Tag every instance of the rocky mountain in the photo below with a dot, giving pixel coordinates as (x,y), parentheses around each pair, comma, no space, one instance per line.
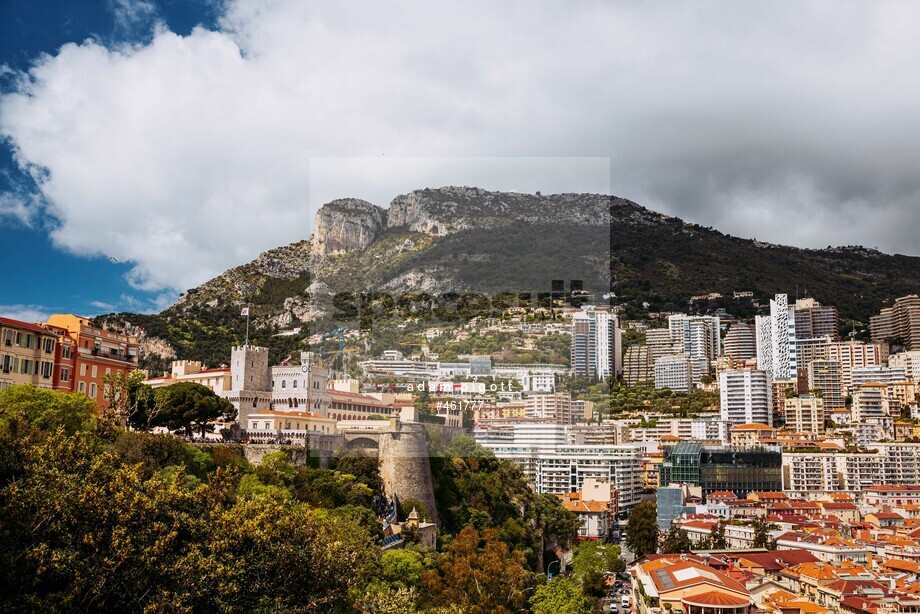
(460,239)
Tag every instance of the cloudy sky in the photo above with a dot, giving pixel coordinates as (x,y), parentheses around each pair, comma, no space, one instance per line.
(150,145)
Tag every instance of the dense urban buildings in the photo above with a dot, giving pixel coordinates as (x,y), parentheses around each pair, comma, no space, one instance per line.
(66,353)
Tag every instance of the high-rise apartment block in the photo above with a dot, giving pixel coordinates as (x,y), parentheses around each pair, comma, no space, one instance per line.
(674,372)
(638,365)
(813,320)
(824,375)
(746,397)
(855,355)
(899,322)
(596,351)
(659,343)
(698,338)
(776,339)
(740,342)
(805,414)
(882,375)
(870,401)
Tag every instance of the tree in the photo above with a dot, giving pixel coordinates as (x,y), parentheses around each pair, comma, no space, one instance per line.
(561,596)
(762,537)
(676,541)
(591,561)
(27,408)
(480,575)
(642,529)
(81,530)
(558,525)
(717,537)
(189,406)
(421,402)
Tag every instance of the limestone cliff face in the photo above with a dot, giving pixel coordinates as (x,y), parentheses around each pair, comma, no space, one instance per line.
(450,209)
(346,225)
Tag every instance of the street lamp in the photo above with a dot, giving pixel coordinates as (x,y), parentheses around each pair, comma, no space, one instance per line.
(548,567)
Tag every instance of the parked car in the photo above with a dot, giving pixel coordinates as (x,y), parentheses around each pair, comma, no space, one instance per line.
(624,601)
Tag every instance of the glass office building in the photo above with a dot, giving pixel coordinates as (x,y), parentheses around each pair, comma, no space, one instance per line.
(718,469)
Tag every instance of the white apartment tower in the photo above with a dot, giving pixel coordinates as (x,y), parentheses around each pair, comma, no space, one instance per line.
(776,341)
(674,372)
(597,351)
(746,397)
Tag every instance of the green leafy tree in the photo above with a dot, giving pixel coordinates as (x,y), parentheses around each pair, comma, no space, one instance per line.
(561,596)
(81,530)
(762,537)
(24,409)
(717,537)
(676,541)
(189,406)
(642,529)
(591,561)
(479,574)
(421,402)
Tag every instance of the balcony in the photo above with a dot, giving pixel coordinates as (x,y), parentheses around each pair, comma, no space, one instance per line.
(119,356)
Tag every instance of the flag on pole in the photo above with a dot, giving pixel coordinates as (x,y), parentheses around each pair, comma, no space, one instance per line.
(245,311)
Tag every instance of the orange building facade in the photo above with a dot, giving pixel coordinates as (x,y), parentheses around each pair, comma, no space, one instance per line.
(89,353)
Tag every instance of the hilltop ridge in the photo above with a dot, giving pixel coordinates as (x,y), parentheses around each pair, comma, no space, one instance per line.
(463,239)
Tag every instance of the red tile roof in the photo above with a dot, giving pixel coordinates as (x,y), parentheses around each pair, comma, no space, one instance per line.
(716,599)
(35,328)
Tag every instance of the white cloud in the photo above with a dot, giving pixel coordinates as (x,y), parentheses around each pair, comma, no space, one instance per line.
(102,306)
(15,209)
(130,13)
(25,313)
(189,155)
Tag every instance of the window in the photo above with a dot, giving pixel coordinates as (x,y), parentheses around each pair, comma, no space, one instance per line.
(25,367)
(83,370)
(46,369)
(65,352)
(8,338)
(95,371)
(294,385)
(108,371)
(65,375)
(92,390)
(283,384)
(49,346)
(83,387)
(7,364)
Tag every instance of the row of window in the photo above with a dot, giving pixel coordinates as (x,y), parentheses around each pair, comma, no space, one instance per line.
(294,384)
(26,366)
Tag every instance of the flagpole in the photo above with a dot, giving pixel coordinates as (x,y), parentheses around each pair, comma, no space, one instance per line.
(247,324)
